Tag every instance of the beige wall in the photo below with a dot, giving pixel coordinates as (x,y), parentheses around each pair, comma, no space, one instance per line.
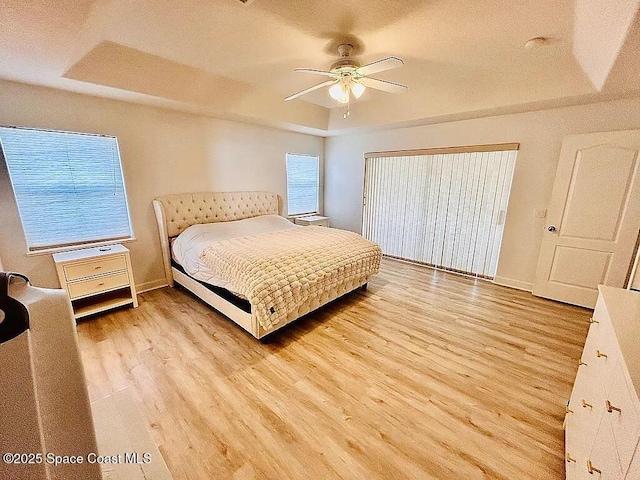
(540,136)
(165,152)
(162,152)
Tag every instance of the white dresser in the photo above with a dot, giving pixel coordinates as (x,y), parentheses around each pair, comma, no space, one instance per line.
(602,424)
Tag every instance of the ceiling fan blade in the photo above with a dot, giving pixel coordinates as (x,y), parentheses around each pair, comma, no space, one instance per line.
(379,66)
(317,72)
(310,89)
(383,85)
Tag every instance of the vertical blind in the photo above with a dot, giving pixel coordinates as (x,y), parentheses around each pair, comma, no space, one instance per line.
(303,183)
(443,210)
(68,187)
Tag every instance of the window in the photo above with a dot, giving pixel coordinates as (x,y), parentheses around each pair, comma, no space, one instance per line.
(303,183)
(443,208)
(68,187)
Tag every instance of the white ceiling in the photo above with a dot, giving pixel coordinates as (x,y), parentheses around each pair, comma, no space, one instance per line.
(227,59)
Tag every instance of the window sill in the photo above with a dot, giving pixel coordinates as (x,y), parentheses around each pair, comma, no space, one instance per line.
(71,248)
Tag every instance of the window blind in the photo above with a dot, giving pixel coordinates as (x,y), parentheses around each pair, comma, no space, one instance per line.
(68,186)
(443,210)
(303,184)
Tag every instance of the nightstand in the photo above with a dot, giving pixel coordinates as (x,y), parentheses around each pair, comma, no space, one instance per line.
(317,220)
(97,279)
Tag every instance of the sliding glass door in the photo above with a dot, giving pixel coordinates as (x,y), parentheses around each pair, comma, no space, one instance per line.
(446,210)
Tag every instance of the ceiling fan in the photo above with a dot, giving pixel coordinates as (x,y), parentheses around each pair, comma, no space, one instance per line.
(349,78)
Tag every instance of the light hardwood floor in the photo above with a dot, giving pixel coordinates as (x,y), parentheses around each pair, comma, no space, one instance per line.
(424,375)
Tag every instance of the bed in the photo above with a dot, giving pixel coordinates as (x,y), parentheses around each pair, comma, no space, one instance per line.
(234,251)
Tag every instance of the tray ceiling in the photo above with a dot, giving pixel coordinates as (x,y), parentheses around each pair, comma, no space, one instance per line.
(234,60)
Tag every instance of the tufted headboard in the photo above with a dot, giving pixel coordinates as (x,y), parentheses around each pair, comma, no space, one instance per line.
(175,213)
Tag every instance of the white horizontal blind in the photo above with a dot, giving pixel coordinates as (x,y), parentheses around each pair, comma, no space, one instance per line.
(443,210)
(68,186)
(303,183)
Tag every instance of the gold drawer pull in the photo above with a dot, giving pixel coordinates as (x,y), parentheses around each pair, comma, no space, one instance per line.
(569,458)
(611,408)
(98,267)
(592,469)
(582,363)
(592,320)
(586,405)
(601,354)
(101,284)
(567,409)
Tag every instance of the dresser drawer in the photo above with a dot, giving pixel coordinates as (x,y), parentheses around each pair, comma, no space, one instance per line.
(601,351)
(623,416)
(585,411)
(75,271)
(603,461)
(575,467)
(96,285)
(607,342)
(634,469)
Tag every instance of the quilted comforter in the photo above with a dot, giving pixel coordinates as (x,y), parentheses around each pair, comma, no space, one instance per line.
(285,272)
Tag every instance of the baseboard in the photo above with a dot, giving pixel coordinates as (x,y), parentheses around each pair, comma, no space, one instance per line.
(512,283)
(153,285)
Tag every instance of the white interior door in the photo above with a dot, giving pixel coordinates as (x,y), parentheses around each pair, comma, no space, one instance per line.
(594,217)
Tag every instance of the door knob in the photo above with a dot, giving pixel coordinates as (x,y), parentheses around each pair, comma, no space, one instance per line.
(551,228)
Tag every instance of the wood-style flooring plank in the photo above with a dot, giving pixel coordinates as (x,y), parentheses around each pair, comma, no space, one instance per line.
(425,375)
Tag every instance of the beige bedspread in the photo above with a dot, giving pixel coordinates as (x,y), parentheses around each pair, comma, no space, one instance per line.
(281,272)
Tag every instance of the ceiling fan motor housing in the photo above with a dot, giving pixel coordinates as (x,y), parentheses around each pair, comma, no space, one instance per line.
(345,63)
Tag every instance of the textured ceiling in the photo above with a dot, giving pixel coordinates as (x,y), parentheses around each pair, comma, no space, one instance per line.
(224,58)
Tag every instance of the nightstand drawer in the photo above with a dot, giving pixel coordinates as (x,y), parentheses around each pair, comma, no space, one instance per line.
(94,267)
(96,285)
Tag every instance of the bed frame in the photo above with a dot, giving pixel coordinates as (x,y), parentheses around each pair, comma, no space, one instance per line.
(175,213)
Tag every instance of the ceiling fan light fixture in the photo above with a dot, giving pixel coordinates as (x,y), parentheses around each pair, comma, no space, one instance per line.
(357,89)
(335,91)
(340,92)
